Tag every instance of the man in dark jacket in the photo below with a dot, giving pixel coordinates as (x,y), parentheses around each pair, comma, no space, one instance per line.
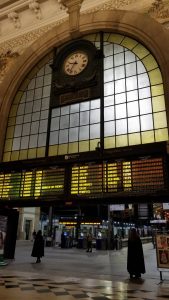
(38,247)
(135,258)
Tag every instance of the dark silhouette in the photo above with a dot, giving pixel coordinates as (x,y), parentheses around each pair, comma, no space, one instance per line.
(38,247)
(89,241)
(135,258)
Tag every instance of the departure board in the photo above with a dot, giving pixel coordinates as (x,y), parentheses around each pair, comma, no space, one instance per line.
(35,183)
(124,176)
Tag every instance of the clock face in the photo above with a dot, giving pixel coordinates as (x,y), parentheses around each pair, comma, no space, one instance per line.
(75,63)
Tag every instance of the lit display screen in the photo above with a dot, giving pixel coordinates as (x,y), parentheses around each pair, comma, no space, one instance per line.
(32,184)
(132,176)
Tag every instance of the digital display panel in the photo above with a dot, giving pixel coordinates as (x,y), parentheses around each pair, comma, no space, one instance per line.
(35,183)
(124,176)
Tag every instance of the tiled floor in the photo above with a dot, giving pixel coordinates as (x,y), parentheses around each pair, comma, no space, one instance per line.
(54,278)
(28,286)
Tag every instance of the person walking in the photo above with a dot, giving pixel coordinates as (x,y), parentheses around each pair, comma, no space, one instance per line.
(38,247)
(89,241)
(135,256)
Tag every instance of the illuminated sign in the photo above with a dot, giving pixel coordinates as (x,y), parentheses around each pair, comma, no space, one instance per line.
(137,176)
(36,183)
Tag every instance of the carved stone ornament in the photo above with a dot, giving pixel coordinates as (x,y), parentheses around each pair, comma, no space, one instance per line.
(14,18)
(159,10)
(6,60)
(35,7)
(73,9)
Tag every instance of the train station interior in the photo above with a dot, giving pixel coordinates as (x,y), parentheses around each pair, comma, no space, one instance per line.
(84,114)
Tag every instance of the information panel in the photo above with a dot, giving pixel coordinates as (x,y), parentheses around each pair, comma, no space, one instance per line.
(162,248)
(36,183)
(138,176)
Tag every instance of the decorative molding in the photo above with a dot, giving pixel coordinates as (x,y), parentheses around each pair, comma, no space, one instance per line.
(73,9)
(159,10)
(14,18)
(6,60)
(110,5)
(35,7)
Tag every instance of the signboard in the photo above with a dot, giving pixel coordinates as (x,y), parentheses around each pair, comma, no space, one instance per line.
(117,207)
(165,205)
(162,249)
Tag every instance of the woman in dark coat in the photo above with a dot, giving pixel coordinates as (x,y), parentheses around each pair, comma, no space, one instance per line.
(38,247)
(135,258)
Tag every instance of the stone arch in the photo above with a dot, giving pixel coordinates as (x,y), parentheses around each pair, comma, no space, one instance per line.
(138,26)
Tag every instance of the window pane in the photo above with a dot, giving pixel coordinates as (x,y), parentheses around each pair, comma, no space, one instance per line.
(95,116)
(108,62)
(74,108)
(109,89)
(131,83)
(46,91)
(42,140)
(55,112)
(108,50)
(16,144)
(64,122)
(119,86)
(36,116)
(109,113)
(118,49)
(63,136)
(95,103)
(120,98)
(33,141)
(132,109)
(94,131)
(54,138)
(84,106)
(143,80)
(108,75)
(109,100)
(109,128)
(64,110)
(84,118)
(119,59)
(74,120)
(43,126)
(84,133)
(24,142)
(38,93)
(18,130)
(73,134)
(26,129)
(132,95)
(140,67)
(130,69)
(121,111)
(119,72)
(54,124)
(129,57)
(146,122)
(145,106)
(133,124)
(34,127)
(121,126)
(144,93)
(37,105)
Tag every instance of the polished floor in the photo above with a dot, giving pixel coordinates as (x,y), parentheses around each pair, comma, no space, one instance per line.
(69,274)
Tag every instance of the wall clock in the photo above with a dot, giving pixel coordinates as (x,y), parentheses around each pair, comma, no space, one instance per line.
(75,63)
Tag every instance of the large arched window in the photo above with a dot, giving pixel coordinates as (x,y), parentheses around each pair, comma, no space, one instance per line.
(133,99)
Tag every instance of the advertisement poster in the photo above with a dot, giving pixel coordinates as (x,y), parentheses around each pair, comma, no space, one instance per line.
(3,224)
(162,248)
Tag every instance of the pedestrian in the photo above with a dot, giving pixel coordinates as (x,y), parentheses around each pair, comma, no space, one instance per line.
(38,247)
(135,257)
(89,241)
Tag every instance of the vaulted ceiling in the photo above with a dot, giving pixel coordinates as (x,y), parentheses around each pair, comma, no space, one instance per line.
(24,21)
